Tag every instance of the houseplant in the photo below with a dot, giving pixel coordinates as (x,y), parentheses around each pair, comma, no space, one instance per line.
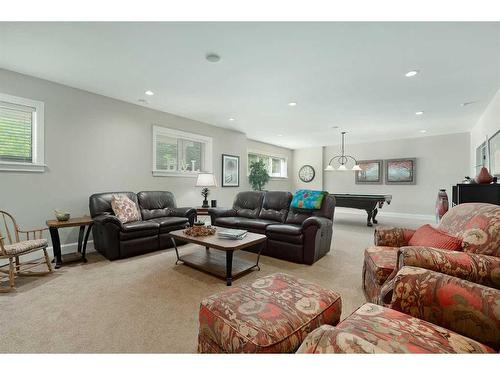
(258,175)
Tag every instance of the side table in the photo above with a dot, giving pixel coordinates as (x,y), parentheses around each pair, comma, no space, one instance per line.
(201,211)
(81,222)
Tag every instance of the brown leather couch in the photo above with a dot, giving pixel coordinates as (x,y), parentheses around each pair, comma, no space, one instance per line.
(301,236)
(159,216)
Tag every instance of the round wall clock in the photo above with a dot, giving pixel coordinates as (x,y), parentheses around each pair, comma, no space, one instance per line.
(306,173)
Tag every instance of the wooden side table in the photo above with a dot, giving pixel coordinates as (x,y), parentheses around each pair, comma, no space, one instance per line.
(201,211)
(81,222)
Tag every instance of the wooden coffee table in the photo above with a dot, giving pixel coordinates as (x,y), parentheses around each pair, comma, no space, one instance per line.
(219,263)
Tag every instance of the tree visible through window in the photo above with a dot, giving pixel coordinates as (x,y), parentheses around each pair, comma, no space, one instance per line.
(276,166)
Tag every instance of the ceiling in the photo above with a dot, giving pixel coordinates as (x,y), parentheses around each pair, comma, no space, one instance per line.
(350,75)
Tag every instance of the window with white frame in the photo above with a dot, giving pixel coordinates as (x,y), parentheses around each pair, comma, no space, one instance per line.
(276,165)
(180,153)
(21,134)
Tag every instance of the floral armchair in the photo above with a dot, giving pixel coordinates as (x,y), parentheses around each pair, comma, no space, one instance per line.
(430,312)
(477,224)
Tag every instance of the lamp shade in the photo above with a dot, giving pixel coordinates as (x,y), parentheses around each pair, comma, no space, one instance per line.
(356,168)
(341,168)
(206,179)
(329,168)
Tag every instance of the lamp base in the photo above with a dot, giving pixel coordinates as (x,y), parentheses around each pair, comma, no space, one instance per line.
(205,204)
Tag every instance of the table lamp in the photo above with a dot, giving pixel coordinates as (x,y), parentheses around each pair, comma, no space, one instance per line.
(204,180)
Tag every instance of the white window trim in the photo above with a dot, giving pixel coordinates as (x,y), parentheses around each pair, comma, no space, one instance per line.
(38,134)
(271,155)
(158,129)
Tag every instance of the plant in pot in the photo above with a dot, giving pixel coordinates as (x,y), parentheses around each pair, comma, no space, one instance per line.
(258,175)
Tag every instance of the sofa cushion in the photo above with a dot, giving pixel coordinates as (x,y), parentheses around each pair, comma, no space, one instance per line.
(137,229)
(248,204)
(376,329)
(272,315)
(478,224)
(429,236)
(244,223)
(124,208)
(380,261)
(285,233)
(275,206)
(155,204)
(170,223)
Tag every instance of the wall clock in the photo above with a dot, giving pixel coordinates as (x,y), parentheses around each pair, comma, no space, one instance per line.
(306,173)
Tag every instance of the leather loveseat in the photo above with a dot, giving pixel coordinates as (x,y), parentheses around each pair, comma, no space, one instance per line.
(159,216)
(301,236)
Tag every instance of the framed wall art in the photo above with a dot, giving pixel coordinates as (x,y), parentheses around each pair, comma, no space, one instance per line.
(230,170)
(400,171)
(371,172)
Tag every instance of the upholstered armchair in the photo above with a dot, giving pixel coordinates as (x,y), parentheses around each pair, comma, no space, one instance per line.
(477,224)
(429,312)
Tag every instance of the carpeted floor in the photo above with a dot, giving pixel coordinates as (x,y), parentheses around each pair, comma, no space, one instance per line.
(147,304)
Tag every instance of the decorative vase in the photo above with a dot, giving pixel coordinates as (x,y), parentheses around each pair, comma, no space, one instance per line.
(441,204)
(484,177)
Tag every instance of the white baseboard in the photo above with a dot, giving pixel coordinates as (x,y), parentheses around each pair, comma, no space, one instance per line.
(72,247)
(401,215)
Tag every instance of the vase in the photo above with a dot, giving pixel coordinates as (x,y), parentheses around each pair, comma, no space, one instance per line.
(484,177)
(441,204)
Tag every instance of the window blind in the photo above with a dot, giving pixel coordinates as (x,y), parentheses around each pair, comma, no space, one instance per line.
(16,127)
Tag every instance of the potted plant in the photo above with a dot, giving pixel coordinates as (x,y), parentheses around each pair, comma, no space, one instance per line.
(258,175)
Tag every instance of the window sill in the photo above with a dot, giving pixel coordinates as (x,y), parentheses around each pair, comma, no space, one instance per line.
(159,173)
(278,178)
(21,167)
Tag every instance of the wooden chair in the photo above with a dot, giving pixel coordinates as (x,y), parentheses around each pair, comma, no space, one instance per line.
(12,248)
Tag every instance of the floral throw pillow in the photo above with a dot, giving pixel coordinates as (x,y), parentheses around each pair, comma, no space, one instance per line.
(125,210)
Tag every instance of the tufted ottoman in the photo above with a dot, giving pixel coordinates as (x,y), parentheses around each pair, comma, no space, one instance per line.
(273,314)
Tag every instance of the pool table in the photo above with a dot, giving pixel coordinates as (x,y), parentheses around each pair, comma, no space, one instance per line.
(368,202)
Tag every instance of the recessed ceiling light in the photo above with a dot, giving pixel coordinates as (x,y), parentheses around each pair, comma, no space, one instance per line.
(419,113)
(423,131)
(149,93)
(292,104)
(334,127)
(280,135)
(212,57)
(412,73)
(231,119)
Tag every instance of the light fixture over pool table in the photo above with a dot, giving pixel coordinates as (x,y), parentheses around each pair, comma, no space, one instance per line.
(342,160)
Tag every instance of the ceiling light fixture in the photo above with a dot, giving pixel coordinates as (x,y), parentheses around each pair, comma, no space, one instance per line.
(419,113)
(412,73)
(342,160)
(212,57)
(231,119)
(423,131)
(280,135)
(292,104)
(149,93)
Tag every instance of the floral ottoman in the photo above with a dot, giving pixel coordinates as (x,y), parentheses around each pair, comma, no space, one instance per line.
(273,314)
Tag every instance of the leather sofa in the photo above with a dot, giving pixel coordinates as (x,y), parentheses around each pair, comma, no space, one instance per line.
(159,216)
(301,236)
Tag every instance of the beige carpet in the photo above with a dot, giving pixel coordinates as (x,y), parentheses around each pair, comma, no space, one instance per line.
(147,304)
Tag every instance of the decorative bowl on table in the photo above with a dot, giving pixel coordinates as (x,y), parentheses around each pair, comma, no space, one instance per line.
(62,215)
(199,223)
(200,231)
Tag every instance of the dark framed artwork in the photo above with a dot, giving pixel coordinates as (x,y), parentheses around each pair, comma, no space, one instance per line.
(230,170)
(371,172)
(494,154)
(401,171)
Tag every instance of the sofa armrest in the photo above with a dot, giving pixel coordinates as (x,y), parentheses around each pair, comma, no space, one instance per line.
(107,219)
(462,306)
(220,212)
(392,236)
(480,269)
(317,221)
(188,212)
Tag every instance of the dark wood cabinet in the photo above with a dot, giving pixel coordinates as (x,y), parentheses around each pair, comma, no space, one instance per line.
(485,193)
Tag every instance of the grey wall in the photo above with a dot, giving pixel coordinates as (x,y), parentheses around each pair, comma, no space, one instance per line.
(94,144)
(442,161)
(313,157)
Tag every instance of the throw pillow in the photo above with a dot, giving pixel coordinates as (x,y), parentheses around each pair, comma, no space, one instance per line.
(308,199)
(124,208)
(429,236)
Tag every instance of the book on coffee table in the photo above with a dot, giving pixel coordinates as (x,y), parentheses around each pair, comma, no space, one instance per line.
(232,234)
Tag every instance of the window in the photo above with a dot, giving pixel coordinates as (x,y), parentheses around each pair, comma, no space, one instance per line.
(178,153)
(21,134)
(276,165)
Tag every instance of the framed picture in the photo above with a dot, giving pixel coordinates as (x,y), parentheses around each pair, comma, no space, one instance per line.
(494,151)
(371,172)
(230,171)
(400,171)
